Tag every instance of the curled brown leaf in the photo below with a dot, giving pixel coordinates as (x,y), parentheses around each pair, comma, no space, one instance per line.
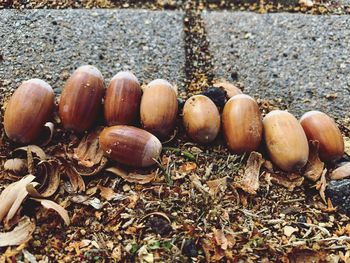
(76,181)
(321,186)
(314,166)
(88,153)
(289,181)
(84,171)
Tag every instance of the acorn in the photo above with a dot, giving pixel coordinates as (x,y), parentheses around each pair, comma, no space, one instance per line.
(285,140)
(81,99)
(130,145)
(242,124)
(159,107)
(201,119)
(122,100)
(231,90)
(318,126)
(28,110)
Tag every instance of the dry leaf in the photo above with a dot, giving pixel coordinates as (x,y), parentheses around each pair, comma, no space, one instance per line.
(216,185)
(289,230)
(321,186)
(84,171)
(220,239)
(212,252)
(198,184)
(87,200)
(299,255)
(188,167)
(88,153)
(290,181)
(250,180)
(341,172)
(16,166)
(59,209)
(132,177)
(34,149)
(10,194)
(314,165)
(144,256)
(108,193)
(19,234)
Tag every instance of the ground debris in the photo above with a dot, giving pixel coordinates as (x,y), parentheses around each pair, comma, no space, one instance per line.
(250,181)
(20,234)
(314,166)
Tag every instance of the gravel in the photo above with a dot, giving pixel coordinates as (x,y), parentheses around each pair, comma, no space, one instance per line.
(302,59)
(339,192)
(50,44)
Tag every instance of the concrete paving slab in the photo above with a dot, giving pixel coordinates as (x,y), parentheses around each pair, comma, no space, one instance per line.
(303,59)
(49,44)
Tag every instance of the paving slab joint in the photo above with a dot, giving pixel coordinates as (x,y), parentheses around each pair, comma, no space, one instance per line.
(198,66)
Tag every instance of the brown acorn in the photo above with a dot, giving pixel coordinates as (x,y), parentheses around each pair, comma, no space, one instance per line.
(123,98)
(81,99)
(28,110)
(130,145)
(231,90)
(159,107)
(285,140)
(201,119)
(318,126)
(242,124)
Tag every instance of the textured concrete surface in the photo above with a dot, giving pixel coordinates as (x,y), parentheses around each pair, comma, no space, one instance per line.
(303,59)
(49,44)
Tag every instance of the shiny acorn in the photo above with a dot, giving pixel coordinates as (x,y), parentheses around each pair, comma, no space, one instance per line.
(242,124)
(201,119)
(122,100)
(285,140)
(28,110)
(231,90)
(81,99)
(130,145)
(318,126)
(159,108)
